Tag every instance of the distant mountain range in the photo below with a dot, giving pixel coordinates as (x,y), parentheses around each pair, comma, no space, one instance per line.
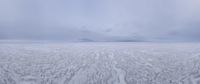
(62,34)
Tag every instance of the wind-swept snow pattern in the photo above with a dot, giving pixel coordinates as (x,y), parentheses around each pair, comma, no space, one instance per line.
(100,63)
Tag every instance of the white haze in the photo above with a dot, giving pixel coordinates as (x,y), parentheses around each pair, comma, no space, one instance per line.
(100,20)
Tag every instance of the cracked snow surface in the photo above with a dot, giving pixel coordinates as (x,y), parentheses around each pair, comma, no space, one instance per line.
(100,63)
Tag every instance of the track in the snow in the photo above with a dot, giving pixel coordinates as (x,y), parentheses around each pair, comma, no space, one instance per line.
(100,63)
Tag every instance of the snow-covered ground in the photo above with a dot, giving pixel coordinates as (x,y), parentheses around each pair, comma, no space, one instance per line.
(100,63)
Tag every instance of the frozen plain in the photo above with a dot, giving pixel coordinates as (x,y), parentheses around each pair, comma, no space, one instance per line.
(100,63)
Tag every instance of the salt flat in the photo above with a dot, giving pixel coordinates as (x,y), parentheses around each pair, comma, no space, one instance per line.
(99,63)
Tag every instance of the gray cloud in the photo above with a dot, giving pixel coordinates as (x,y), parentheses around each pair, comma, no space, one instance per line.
(100,20)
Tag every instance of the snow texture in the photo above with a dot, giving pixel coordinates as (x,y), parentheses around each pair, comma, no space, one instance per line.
(100,63)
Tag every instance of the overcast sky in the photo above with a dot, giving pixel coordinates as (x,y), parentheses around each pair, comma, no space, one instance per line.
(100,20)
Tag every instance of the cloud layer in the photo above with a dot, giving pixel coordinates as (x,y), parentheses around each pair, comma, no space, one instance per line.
(100,20)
